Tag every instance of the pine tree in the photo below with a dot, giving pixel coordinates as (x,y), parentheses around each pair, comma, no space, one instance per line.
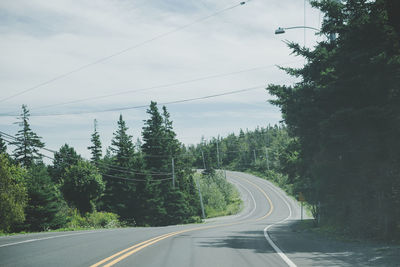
(153,142)
(345,115)
(156,160)
(82,186)
(168,205)
(13,195)
(3,146)
(120,196)
(27,142)
(122,145)
(171,144)
(63,159)
(95,148)
(45,203)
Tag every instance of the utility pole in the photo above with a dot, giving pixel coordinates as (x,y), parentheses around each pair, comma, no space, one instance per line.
(201,199)
(266,156)
(204,162)
(218,154)
(173,173)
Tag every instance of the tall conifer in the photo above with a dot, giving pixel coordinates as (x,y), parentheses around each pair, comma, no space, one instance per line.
(120,196)
(27,142)
(3,146)
(95,148)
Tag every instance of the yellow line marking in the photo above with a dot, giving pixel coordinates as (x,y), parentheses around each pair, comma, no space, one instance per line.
(135,248)
(271,209)
(125,250)
(152,242)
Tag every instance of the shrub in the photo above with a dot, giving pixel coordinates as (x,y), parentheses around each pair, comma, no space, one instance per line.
(93,220)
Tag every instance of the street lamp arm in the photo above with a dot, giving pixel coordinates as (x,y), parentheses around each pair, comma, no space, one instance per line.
(282,30)
(302,27)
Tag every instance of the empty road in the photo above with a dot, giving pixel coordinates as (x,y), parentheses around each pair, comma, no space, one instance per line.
(238,240)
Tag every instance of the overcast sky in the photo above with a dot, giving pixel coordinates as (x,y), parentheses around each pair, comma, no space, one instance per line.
(41,40)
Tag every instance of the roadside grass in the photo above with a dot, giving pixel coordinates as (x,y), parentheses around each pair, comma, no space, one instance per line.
(77,222)
(308,225)
(66,229)
(220,197)
(288,190)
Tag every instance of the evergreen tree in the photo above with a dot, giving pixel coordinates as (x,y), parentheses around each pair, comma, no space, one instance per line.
(172,145)
(153,146)
(45,205)
(3,146)
(156,160)
(82,186)
(168,205)
(121,145)
(27,142)
(119,196)
(13,194)
(95,148)
(64,158)
(345,113)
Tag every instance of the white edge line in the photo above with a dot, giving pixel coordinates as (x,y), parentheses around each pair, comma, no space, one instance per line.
(252,197)
(44,238)
(285,258)
(288,261)
(266,234)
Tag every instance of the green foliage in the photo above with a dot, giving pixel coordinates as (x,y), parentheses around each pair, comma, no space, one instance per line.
(259,150)
(163,203)
(120,194)
(3,146)
(82,186)
(13,194)
(63,159)
(27,142)
(220,198)
(344,115)
(92,220)
(46,205)
(95,148)
(177,210)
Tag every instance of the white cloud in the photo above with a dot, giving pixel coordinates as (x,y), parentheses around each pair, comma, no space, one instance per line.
(41,39)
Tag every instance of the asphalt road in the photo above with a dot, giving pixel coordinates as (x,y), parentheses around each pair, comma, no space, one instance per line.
(239,240)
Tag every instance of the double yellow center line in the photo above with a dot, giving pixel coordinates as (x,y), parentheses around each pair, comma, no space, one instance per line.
(119,256)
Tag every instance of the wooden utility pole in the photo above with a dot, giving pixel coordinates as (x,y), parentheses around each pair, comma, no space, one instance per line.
(201,200)
(173,173)
(204,162)
(218,154)
(266,156)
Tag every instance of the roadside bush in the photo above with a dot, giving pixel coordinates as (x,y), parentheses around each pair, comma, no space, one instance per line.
(219,196)
(93,220)
(13,194)
(102,219)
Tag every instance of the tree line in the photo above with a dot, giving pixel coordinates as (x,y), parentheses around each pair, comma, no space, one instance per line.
(339,145)
(343,117)
(265,151)
(131,182)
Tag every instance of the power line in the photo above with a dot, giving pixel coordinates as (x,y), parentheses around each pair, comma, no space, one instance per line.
(110,166)
(136,180)
(100,60)
(130,171)
(113,176)
(161,86)
(143,106)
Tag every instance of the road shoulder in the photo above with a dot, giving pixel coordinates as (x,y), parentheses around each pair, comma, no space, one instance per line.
(308,248)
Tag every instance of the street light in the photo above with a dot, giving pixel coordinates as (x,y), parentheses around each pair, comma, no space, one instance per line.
(282,30)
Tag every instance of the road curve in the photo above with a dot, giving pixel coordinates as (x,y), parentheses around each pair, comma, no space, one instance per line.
(238,240)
